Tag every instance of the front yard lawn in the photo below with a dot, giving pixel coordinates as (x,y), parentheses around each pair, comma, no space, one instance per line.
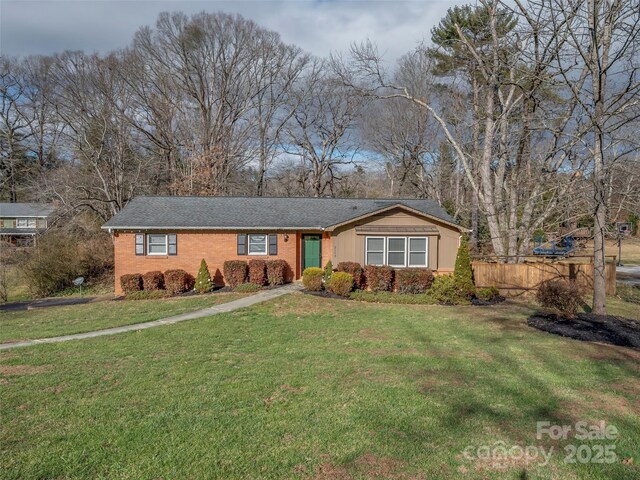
(308,387)
(54,321)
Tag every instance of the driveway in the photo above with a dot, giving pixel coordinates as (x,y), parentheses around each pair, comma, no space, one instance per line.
(46,302)
(629,275)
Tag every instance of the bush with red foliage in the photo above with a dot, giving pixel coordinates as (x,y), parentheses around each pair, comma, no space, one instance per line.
(355,269)
(131,283)
(153,281)
(413,280)
(235,272)
(276,272)
(379,279)
(257,272)
(178,281)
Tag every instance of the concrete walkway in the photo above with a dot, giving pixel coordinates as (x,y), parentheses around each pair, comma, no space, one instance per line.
(205,312)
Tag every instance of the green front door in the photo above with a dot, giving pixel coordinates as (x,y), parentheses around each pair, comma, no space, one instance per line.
(311,251)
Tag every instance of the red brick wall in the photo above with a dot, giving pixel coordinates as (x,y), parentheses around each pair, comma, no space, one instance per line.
(214,247)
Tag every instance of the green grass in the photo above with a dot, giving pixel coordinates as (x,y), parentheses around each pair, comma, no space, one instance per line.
(308,387)
(54,321)
(17,288)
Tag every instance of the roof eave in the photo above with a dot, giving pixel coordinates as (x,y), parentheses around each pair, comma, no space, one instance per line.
(183,227)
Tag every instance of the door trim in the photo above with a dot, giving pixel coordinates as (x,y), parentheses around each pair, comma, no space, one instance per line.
(319,235)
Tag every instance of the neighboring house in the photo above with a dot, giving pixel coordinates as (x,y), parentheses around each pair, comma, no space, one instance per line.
(161,233)
(21,222)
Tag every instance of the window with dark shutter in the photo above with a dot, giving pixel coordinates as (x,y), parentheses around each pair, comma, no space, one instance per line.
(242,244)
(273,244)
(173,244)
(139,243)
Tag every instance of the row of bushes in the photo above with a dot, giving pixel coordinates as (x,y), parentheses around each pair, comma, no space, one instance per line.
(237,273)
(350,276)
(173,281)
(449,289)
(257,272)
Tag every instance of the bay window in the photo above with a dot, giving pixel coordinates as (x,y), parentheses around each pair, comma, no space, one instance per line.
(396,251)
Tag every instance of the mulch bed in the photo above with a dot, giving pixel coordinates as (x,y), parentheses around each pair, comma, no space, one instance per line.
(591,328)
(325,294)
(482,303)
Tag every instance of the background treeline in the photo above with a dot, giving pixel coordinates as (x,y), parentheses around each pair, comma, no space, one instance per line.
(507,117)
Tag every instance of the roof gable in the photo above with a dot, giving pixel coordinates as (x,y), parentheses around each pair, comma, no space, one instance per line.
(400,206)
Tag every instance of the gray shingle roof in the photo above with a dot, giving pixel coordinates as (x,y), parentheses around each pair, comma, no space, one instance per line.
(255,212)
(11,210)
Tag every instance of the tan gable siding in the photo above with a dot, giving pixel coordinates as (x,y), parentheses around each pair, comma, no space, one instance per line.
(348,245)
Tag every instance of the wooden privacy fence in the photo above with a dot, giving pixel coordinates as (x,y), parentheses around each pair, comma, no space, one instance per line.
(516,278)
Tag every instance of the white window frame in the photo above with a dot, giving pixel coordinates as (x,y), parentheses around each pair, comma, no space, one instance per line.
(366,250)
(404,251)
(166,244)
(266,244)
(407,245)
(30,222)
(426,252)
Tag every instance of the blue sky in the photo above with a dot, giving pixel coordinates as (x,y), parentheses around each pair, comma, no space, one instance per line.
(320,27)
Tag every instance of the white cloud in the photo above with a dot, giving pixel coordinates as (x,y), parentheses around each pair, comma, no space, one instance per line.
(320,27)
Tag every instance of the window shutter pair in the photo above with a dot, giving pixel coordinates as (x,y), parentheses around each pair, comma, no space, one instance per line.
(172,244)
(243,248)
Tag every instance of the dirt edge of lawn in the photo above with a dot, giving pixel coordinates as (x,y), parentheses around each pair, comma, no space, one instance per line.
(588,327)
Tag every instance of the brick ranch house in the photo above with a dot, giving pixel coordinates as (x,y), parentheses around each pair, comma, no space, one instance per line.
(162,233)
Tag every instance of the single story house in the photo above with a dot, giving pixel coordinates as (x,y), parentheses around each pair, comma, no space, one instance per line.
(21,222)
(162,233)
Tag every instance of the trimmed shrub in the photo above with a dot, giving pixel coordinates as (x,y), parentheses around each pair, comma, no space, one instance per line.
(312,279)
(131,283)
(203,283)
(178,281)
(379,279)
(341,283)
(355,269)
(148,295)
(276,272)
(446,289)
(247,288)
(560,297)
(235,272)
(328,271)
(413,280)
(258,272)
(152,281)
(487,294)
(463,273)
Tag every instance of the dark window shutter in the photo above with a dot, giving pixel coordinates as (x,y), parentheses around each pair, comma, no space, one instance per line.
(139,243)
(273,244)
(173,244)
(242,244)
